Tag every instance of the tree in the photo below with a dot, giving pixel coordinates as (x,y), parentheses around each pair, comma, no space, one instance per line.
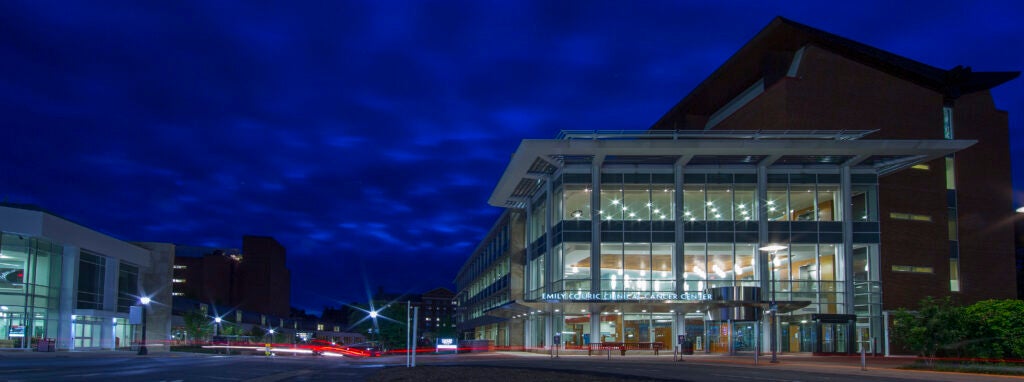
(197,326)
(995,329)
(257,332)
(934,329)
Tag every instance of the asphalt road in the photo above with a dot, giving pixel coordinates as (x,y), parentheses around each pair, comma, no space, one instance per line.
(204,368)
(178,367)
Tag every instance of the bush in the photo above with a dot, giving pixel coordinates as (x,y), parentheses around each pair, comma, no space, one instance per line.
(995,329)
(935,329)
(992,330)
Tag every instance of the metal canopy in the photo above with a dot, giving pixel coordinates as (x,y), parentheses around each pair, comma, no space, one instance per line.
(521,178)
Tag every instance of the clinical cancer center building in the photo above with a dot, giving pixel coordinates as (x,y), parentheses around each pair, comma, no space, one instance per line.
(810,176)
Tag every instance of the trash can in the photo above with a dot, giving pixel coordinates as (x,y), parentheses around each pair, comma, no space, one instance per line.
(46,344)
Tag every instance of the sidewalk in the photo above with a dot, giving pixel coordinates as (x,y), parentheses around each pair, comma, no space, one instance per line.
(24,353)
(891,366)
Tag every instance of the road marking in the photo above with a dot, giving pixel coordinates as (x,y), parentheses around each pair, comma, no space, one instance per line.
(281,376)
(754,378)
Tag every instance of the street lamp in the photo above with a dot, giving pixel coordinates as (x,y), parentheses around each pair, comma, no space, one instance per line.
(216,326)
(145,303)
(773,307)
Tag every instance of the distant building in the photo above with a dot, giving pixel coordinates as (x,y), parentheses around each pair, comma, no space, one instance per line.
(490,281)
(255,279)
(62,281)
(437,314)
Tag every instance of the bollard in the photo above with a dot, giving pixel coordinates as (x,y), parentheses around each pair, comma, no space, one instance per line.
(863,358)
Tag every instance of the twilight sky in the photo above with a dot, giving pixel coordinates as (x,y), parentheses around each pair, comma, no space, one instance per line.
(366,136)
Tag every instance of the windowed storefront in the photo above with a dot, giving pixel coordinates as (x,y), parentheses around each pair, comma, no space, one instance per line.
(641,255)
(30,278)
(650,232)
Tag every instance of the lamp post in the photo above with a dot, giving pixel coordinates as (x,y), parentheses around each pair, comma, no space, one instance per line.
(145,303)
(216,329)
(773,307)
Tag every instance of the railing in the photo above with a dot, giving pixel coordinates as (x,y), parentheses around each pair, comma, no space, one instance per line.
(623,346)
(839,135)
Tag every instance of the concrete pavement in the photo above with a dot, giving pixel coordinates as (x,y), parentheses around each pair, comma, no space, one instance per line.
(889,367)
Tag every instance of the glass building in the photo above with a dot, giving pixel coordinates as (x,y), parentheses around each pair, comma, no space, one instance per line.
(63,282)
(639,238)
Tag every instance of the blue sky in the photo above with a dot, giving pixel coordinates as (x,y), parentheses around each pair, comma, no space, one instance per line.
(366,136)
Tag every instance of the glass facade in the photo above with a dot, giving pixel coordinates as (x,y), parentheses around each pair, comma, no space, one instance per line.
(30,281)
(651,240)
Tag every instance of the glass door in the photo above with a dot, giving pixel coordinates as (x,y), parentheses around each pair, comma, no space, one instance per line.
(828,334)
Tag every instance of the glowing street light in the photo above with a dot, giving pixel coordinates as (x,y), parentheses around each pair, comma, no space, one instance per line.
(145,303)
(773,308)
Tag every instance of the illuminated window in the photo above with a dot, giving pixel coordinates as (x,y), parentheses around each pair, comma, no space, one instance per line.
(180,267)
(950,174)
(177,294)
(912,269)
(907,216)
(320,327)
(947,122)
(922,166)
(954,275)
(179,281)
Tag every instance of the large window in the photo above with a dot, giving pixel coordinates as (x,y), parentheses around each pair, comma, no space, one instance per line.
(777,204)
(805,197)
(91,269)
(695,273)
(743,197)
(127,287)
(575,202)
(864,200)
(30,280)
(662,274)
(637,267)
(810,272)
(693,202)
(719,202)
(576,268)
(637,197)
(612,271)
(536,274)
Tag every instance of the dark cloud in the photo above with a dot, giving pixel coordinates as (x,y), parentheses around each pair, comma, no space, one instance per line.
(367,136)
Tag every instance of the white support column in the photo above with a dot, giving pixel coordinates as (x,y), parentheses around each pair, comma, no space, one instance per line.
(846,213)
(68,291)
(549,330)
(528,270)
(680,224)
(762,228)
(551,268)
(595,228)
(110,284)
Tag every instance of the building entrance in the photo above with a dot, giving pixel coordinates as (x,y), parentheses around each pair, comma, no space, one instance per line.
(731,337)
(834,332)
